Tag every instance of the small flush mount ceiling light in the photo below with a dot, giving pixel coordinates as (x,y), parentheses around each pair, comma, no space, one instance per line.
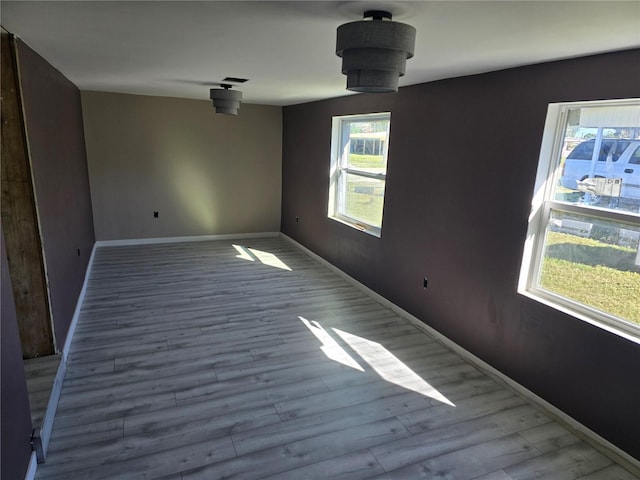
(225,100)
(374,52)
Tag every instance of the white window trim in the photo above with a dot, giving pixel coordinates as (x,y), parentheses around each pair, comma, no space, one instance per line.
(541,207)
(336,169)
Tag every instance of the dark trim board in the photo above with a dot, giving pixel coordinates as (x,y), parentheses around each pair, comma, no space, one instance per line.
(209,360)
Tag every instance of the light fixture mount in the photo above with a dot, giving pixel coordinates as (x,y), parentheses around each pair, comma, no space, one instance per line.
(377,14)
(374,51)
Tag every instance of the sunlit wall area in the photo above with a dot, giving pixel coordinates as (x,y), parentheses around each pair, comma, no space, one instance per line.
(205,174)
(462,159)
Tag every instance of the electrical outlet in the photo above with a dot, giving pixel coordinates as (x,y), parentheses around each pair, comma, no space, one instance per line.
(297,219)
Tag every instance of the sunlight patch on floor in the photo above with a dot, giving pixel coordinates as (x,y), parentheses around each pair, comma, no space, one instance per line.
(243,253)
(265,258)
(389,367)
(330,347)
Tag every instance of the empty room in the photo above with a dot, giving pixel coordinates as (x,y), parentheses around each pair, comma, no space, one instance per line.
(320,239)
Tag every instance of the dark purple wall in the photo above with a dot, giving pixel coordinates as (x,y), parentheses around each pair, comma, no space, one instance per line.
(15,417)
(56,140)
(462,163)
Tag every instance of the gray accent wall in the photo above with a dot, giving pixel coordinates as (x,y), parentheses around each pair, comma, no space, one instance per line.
(462,163)
(53,119)
(205,174)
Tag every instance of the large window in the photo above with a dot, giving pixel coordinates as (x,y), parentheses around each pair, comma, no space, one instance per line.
(359,146)
(582,253)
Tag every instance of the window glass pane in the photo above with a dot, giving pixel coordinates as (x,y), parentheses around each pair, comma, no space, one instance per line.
(611,178)
(593,261)
(364,199)
(368,145)
(635,158)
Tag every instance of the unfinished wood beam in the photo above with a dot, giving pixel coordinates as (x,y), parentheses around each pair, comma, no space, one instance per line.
(19,218)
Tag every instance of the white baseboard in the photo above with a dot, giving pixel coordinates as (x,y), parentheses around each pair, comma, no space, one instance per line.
(141,241)
(76,313)
(50,414)
(31,469)
(607,448)
(196,238)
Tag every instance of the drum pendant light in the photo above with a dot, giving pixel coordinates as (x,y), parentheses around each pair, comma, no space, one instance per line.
(225,100)
(374,52)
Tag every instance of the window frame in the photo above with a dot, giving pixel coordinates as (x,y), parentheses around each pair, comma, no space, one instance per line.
(339,169)
(542,205)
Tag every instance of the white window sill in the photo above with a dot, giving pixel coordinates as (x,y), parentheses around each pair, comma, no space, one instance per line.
(362,227)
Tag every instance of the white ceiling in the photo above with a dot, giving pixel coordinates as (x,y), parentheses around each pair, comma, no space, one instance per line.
(287,49)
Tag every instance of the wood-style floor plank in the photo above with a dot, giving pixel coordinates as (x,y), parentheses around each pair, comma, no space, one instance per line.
(468,462)
(249,360)
(568,463)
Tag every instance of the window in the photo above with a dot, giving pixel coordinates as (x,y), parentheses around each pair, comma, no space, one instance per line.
(581,254)
(359,146)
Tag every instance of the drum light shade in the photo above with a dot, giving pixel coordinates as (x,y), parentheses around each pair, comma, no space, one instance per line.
(374,52)
(225,100)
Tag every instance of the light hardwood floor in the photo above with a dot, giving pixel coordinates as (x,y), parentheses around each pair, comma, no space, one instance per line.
(250,360)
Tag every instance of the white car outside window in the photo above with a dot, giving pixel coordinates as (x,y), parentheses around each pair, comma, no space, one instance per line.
(618,158)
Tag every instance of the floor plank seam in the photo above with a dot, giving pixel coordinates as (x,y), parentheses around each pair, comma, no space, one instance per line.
(241,388)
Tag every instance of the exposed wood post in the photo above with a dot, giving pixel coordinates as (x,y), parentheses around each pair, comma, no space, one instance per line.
(19,217)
